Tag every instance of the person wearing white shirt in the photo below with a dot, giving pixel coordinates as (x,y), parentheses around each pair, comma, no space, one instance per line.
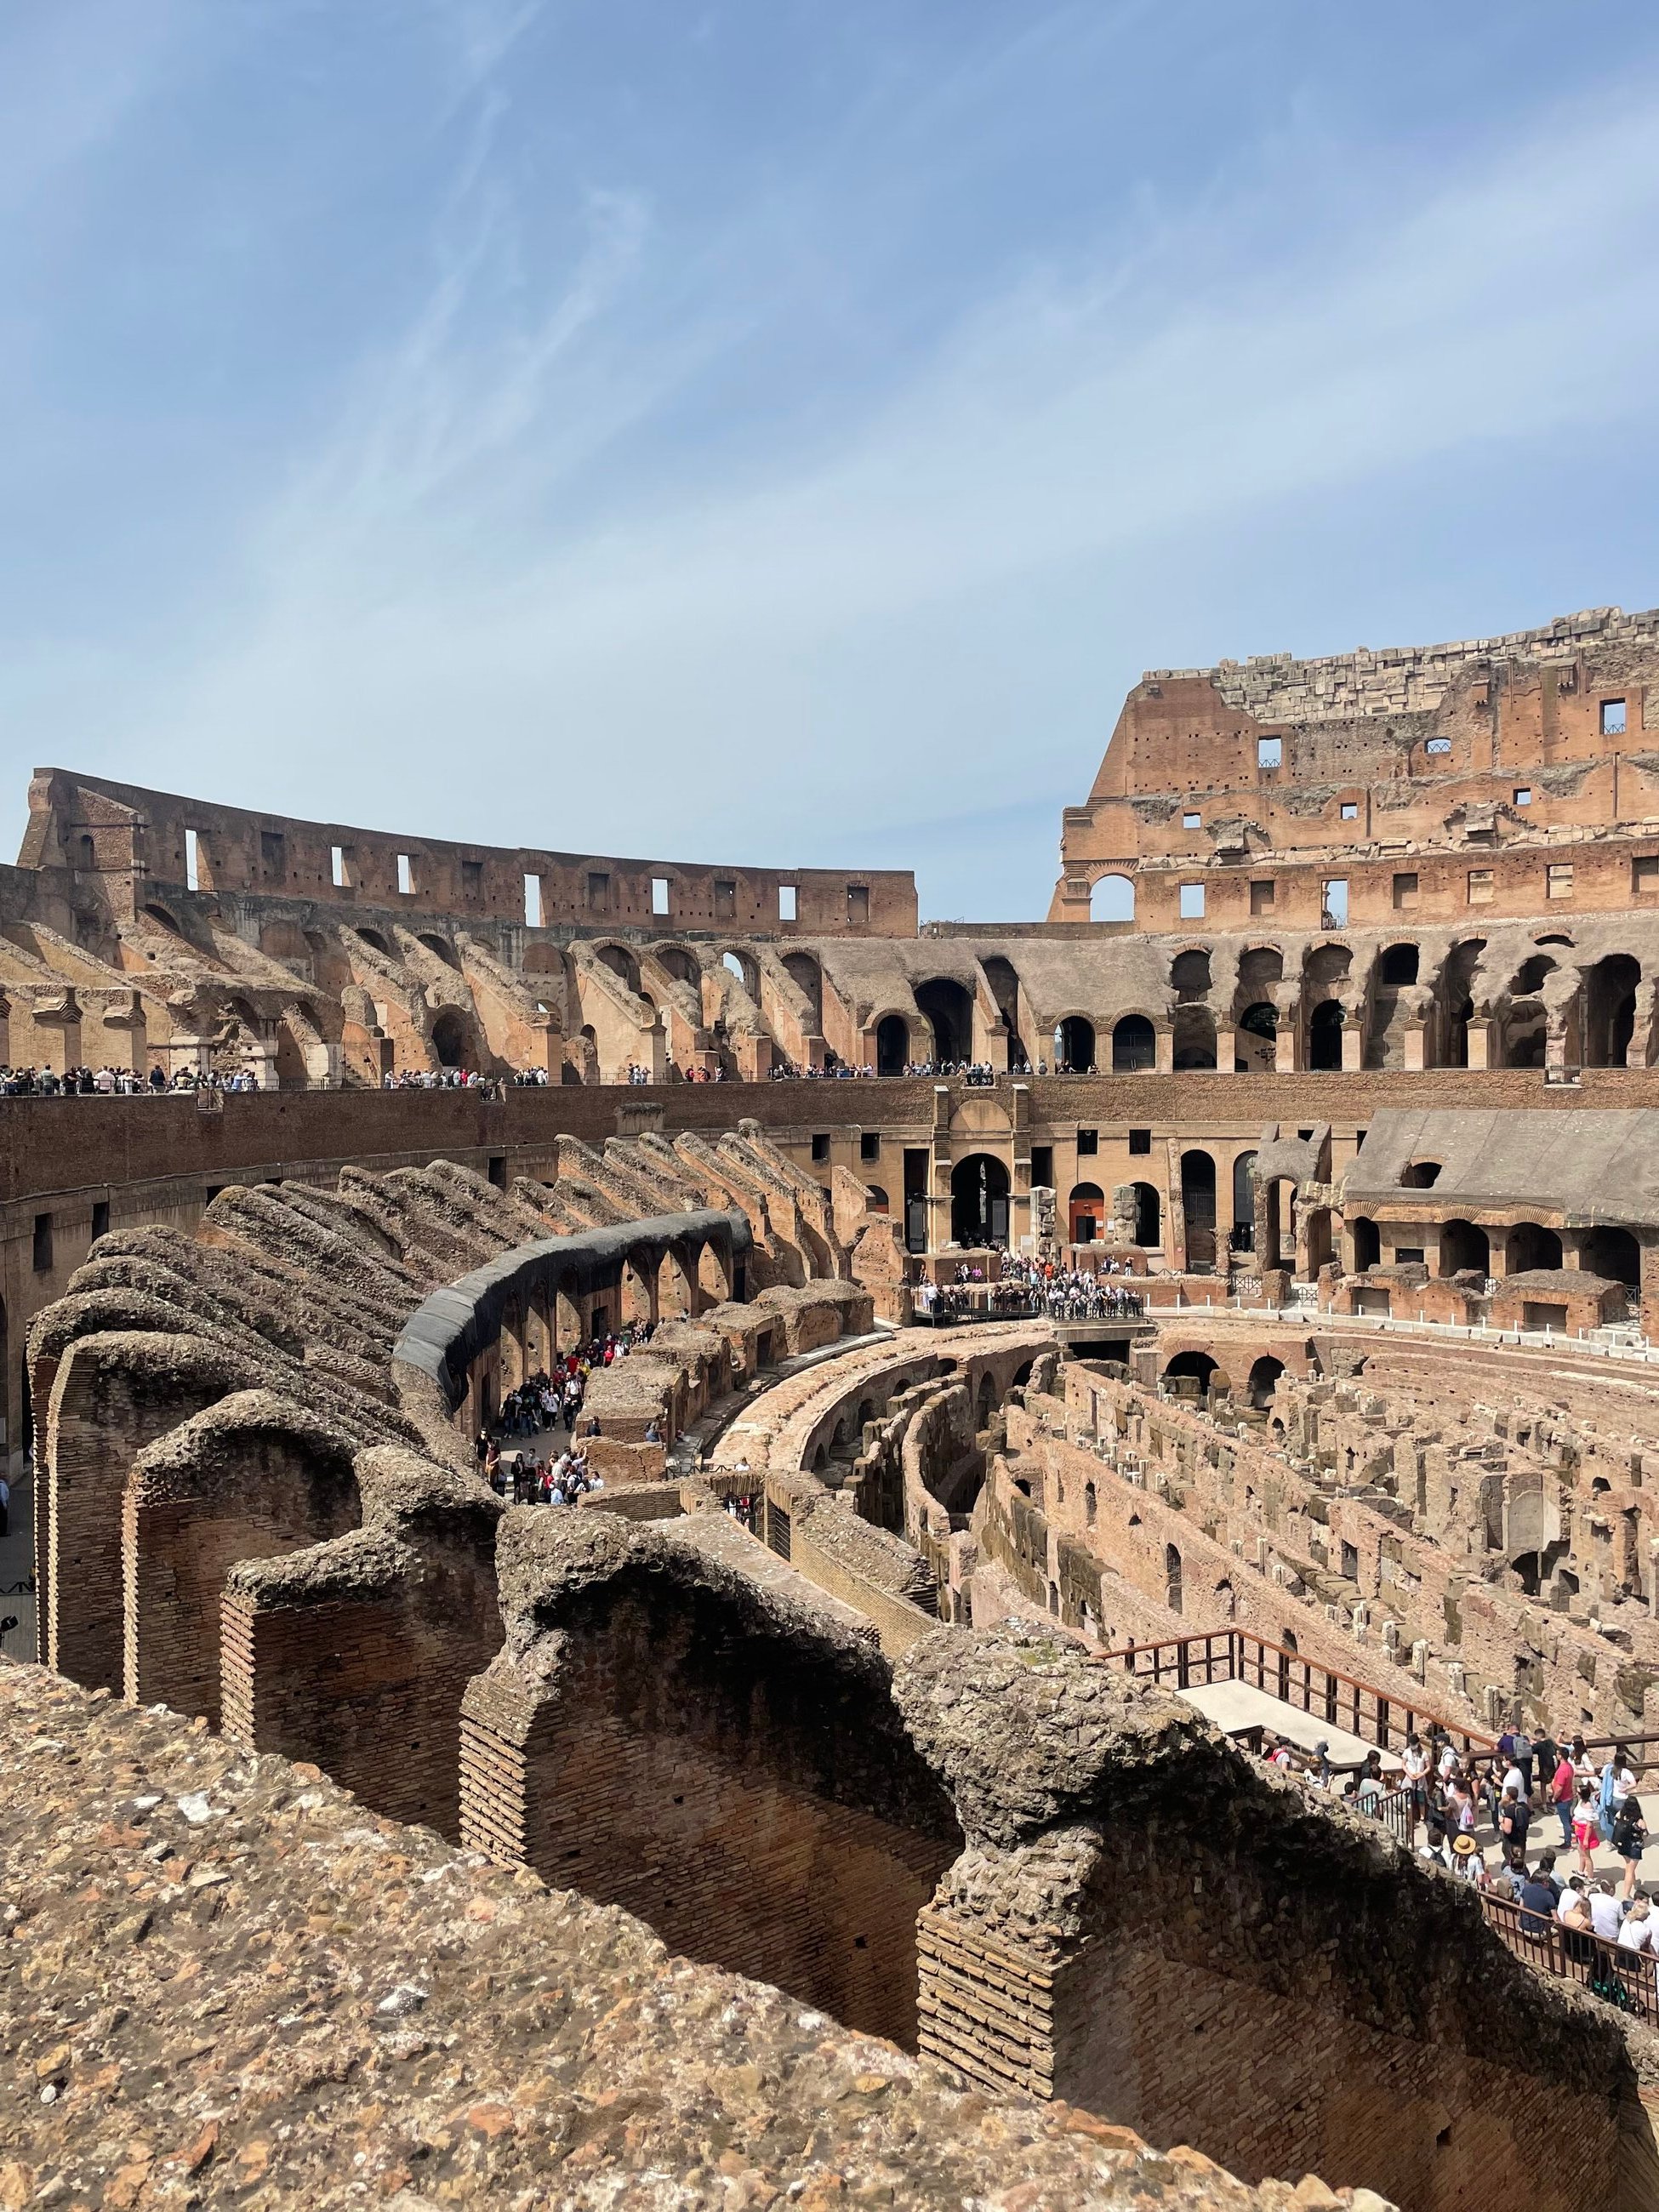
(1605,1913)
(1636,1933)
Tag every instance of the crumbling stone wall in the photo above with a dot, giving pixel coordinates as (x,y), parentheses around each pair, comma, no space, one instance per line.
(665,1736)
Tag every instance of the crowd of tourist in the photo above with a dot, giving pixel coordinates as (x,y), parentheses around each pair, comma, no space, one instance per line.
(977,1074)
(1540,1802)
(547,1403)
(1028,1287)
(116,1082)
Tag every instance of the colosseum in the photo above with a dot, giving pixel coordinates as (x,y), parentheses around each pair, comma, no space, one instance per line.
(687,1542)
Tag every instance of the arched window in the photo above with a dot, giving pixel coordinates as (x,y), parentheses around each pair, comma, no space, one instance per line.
(892,1045)
(1399,965)
(1613,1252)
(949,1012)
(1464,1250)
(1112,899)
(1088,1211)
(1367,1244)
(1134,1045)
(1244,1191)
(1074,1045)
(1421,1174)
(979,1200)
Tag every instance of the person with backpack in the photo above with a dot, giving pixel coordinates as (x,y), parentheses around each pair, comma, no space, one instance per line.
(1630,1834)
(1513,1817)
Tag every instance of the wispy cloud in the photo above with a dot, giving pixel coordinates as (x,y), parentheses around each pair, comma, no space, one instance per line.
(698,533)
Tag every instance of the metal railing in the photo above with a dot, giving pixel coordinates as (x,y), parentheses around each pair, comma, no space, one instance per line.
(1622,1978)
(1233,1655)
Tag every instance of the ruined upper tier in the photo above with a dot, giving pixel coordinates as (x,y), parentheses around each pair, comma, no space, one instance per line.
(1416,782)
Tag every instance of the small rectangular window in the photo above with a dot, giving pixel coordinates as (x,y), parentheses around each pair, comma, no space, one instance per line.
(1192,902)
(43,1244)
(787,910)
(1558,879)
(471,879)
(725,899)
(1360,1137)
(405,876)
(870,1144)
(1261,896)
(658,894)
(336,866)
(1088,1141)
(1141,1140)
(1334,911)
(532,902)
(1408,1256)
(598,892)
(100,1219)
(1350,811)
(1644,873)
(1523,796)
(1404,890)
(858,902)
(821,1145)
(1439,746)
(273,852)
(192,861)
(1043,1167)
(1612,718)
(1479,886)
(1269,751)
(1191,821)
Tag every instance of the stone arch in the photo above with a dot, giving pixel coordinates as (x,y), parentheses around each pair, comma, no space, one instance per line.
(1264,1375)
(622,962)
(1464,1250)
(892,1045)
(1189,972)
(1193,1365)
(1532,1246)
(667,1716)
(1327,964)
(1613,1252)
(803,970)
(676,1298)
(1609,1018)
(1324,1028)
(449,1038)
(1420,1175)
(1075,1045)
(713,1282)
(1260,967)
(676,961)
(1134,1044)
(375,939)
(948,1009)
(1398,964)
(979,1200)
(1112,899)
(1367,1244)
(1244,1191)
(440,946)
(738,961)
(1194,1037)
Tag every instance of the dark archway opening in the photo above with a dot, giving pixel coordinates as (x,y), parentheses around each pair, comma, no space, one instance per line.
(1399,965)
(979,1200)
(949,1012)
(1198,1205)
(1075,1045)
(1088,1211)
(1613,1252)
(1198,1366)
(892,1045)
(1367,1244)
(449,1038)
(1263,1377)
(1530,1246)
(1610,1010)
(1149,1213)
(1325,1037)
(1464,1250)
(1134,1045)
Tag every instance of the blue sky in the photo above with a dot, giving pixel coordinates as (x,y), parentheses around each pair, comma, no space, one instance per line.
(781,432)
